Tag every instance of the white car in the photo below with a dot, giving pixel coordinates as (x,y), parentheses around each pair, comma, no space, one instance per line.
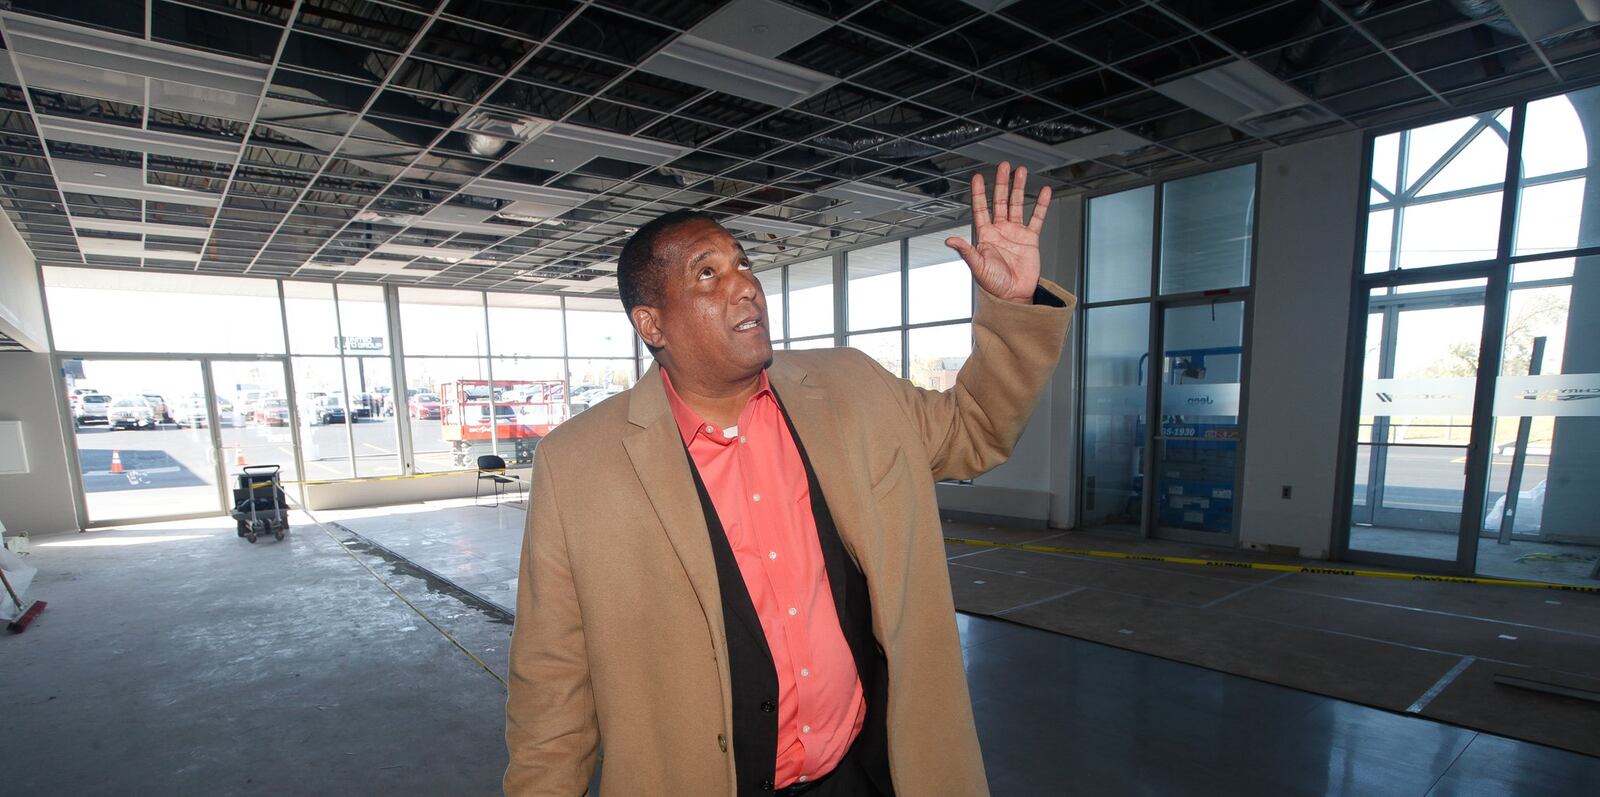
(91,408)
(130,412)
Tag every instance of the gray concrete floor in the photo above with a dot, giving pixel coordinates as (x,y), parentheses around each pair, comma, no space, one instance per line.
(179,659)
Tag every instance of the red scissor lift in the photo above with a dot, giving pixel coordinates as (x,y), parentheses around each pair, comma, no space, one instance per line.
(524,411)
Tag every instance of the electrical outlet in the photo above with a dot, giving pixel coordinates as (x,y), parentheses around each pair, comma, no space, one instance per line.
(1287,490)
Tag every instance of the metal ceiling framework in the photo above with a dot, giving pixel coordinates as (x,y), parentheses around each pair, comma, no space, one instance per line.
(515,144)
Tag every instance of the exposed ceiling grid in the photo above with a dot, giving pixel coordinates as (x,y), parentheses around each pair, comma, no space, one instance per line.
(515,146)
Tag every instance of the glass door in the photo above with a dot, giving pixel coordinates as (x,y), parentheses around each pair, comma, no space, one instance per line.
(254,420)
(142,443)
(1540,503)
(1200,372)
(1419,374)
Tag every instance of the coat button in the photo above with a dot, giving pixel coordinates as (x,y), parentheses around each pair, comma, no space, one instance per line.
(722,742)
(766,785)
(768,706)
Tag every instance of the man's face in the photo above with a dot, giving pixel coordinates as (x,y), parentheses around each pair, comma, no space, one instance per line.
(712,319)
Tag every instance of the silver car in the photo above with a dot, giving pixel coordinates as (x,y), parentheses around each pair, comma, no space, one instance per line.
(131,412)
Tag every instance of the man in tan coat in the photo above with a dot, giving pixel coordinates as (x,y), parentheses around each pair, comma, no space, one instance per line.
(651,616)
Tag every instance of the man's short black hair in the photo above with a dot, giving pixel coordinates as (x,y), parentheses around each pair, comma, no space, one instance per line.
(639,270)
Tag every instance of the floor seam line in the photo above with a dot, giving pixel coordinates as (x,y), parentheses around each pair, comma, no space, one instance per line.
(1440,685)
(1029,604)
(403,599)
(1435,784)
(1248,588)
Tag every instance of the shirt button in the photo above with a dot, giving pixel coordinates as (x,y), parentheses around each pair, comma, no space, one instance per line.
(756,498)
(805,673)
(710,428)
(805,728)
(772,554)
(741,438)
(802,779)
(793,611)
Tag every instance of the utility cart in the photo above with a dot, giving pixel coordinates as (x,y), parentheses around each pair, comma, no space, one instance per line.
(259,504)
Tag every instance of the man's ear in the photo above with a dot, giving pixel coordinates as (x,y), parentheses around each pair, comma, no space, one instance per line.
(647,321)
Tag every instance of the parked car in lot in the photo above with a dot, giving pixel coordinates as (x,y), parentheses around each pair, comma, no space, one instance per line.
(587,397)
(131,412)
(77,394)
(424,406)
(158,405)
(190,412)
(272,412)
(326,409)
(91,408)
(250,400)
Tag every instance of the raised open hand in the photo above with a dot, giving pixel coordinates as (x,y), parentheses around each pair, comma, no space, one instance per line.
(1006,260)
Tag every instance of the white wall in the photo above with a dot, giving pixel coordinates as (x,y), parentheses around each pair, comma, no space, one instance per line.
(1022,490)
(40,501)
(1304,261)
(21,309)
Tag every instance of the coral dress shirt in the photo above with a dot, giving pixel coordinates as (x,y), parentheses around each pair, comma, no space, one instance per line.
(757,483)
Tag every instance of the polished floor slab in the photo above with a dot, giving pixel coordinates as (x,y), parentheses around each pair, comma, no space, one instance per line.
(1331,632)
(179,659)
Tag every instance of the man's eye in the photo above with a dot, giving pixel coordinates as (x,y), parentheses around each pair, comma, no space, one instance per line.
(707,273)
(744,266)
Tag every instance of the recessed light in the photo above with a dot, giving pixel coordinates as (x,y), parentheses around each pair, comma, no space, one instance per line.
(98,174)
(549,160)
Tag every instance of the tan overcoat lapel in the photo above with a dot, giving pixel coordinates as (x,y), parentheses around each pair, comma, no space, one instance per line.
(655,448)
(814,417)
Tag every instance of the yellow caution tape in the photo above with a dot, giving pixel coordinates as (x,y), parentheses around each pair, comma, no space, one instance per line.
(1278,568)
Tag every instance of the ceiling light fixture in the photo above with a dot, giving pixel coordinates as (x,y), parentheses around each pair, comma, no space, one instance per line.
(767,224)
(871,199)
(1018,150)
(708,64)
(1542,19)
(1239,93)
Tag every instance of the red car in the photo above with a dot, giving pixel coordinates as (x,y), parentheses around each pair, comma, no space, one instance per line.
(424,405)
(273,412)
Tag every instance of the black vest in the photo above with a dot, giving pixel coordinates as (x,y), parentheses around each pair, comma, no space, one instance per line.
(755,679)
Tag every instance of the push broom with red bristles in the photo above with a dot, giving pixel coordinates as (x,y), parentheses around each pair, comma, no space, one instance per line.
(20,624)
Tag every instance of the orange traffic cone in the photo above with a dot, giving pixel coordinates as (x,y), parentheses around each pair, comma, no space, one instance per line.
(116,461)
(238,455)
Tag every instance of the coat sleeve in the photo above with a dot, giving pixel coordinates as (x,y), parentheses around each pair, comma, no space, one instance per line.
(551,729)
(973,426)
